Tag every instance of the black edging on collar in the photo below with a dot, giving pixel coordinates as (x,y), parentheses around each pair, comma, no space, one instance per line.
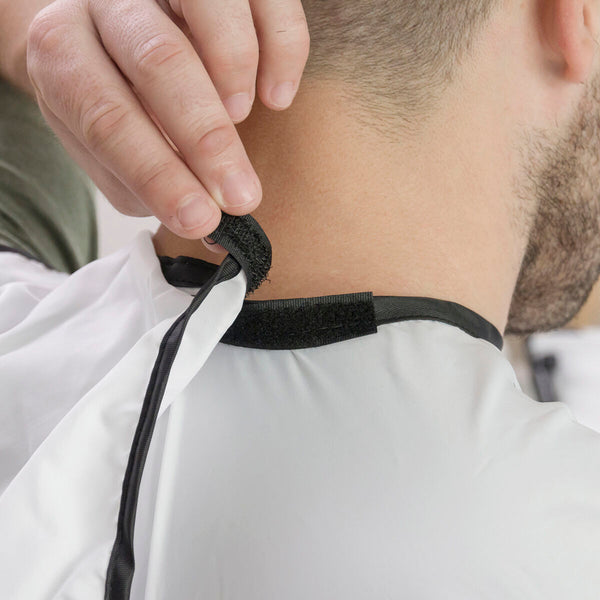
(310,322)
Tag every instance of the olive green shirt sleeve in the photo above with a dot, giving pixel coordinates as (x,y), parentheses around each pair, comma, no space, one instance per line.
(46,202)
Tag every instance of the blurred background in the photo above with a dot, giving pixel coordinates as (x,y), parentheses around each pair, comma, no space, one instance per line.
(115,229)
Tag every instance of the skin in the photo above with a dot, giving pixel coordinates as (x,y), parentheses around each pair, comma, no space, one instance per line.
(589,315)
(451,211)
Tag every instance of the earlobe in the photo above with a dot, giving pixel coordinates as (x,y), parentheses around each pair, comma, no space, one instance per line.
(572,30)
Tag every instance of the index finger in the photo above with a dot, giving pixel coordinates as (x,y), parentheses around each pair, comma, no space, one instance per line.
(167,72)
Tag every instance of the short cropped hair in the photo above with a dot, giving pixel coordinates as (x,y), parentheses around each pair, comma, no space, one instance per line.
(398,55)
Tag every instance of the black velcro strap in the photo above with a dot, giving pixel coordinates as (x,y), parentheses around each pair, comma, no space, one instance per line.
(245,240)
(303,322)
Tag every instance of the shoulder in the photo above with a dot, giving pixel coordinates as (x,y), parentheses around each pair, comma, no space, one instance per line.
(534,501)
(24,283)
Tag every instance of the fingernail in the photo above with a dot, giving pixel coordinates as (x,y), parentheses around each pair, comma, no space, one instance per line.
(283,94)
(195,212)
(238,106)
(213,246)
(239,188)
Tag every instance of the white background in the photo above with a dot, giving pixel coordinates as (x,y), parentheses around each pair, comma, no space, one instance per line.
(115,229)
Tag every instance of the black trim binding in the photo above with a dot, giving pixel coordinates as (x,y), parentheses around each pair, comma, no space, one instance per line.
(121,567)
(310,322)
(543,372)
(391,309)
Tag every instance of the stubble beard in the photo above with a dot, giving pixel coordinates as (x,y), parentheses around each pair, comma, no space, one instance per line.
(561,179)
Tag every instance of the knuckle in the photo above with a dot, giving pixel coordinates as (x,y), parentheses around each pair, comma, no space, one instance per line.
(45,34)
(214,142)
(149,175)
(295,40)
(101,118)
(294,36)
(48,52)
(242,56)
(303,44)
(156,51)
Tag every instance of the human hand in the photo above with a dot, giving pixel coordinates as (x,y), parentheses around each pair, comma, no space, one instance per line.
(134,89)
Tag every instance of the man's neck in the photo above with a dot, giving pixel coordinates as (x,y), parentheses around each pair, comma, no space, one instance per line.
(348,211)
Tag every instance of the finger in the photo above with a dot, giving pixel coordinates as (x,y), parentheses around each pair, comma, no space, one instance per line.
(99,108)
(120,197)
(228,46)
(166,70)
(284,43)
